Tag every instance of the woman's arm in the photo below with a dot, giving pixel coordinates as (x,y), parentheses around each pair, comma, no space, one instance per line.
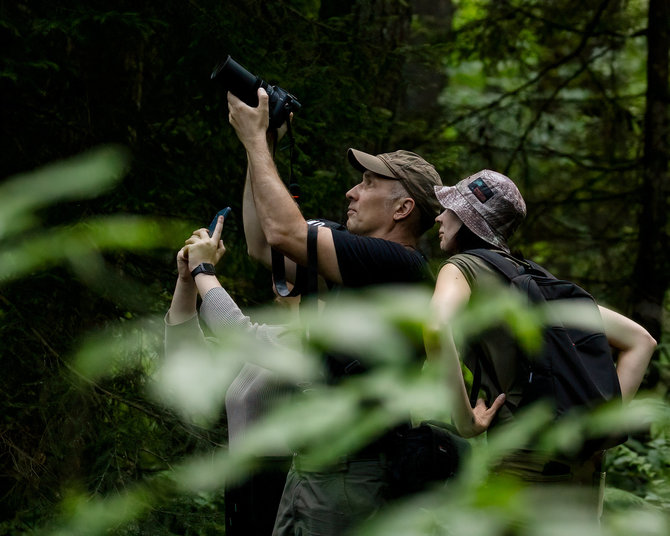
(635,346)
(218,309)
(452,293)
(181,321)
(184,298)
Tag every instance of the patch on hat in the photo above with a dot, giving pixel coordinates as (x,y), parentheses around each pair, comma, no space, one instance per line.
(480,190)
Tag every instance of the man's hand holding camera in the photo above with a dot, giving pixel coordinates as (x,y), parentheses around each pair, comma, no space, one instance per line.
(250,124)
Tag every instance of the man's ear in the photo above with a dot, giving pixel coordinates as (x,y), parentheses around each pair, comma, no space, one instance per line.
(404,208)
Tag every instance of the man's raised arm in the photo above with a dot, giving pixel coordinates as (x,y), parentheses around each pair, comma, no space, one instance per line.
(257,246)
(281,221)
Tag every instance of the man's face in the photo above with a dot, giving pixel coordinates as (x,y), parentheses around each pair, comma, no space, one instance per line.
(449,226)
(371,206)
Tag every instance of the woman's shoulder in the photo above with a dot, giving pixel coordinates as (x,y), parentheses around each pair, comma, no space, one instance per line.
(467,260)
(474,268)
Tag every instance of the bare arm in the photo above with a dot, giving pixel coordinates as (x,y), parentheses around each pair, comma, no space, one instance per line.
(257,246)
(218,309)
(452,292)
(280,219)
(184,298)
(199,248)
(635,346)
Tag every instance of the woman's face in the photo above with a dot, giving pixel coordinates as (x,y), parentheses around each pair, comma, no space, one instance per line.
(449,226)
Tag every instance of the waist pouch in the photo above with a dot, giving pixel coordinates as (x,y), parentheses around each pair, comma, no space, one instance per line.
(426,454)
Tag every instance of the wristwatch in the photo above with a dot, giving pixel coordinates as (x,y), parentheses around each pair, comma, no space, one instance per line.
(203,268)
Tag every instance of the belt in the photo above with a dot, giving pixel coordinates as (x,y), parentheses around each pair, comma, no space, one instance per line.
(306,464)
(536,464)
(378,450)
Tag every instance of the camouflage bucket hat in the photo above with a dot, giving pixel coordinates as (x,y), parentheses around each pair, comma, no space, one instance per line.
(416,175)
(488,203)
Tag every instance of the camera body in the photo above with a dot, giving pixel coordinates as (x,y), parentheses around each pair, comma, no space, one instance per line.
(244,86)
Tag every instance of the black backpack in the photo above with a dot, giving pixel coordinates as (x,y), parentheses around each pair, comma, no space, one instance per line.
(574,368)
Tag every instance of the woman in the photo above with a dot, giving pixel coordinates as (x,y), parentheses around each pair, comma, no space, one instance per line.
(483,211)
(251,506)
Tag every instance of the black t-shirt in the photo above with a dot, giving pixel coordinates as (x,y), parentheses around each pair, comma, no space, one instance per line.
(365,261)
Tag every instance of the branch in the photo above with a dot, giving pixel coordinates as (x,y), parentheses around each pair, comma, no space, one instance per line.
(560,26)
(587,33)
(101,390)
(545,105)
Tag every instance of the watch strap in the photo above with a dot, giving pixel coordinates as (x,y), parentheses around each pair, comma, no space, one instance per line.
(203,268)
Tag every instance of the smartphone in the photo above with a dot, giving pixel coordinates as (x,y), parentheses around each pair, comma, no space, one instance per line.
(224,212)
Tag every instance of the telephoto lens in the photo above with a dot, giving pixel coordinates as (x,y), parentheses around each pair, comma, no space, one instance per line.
(238,80)
(244,86)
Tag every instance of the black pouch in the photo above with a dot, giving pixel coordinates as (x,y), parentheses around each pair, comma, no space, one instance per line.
(426,454)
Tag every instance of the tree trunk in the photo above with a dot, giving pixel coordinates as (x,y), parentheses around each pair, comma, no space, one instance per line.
(651,277)
(378,33)
(425,78)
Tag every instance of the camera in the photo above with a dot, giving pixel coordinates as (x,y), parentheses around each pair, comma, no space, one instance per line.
(244,86)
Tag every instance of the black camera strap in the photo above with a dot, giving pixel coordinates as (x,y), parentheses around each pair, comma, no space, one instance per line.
(279,276)
(303,283)
(293,186)
(306,277)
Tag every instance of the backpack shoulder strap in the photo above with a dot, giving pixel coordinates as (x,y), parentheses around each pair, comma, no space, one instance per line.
(504,265)
(510,270)
(509,266)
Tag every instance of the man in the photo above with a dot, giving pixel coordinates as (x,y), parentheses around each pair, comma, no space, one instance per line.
(388,211)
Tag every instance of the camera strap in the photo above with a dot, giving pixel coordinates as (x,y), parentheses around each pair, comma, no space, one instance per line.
(303,281)
(279,276)
(293,186)
(306,277)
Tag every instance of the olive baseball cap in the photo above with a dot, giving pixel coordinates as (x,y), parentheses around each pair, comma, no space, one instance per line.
(416,175)
(488,203)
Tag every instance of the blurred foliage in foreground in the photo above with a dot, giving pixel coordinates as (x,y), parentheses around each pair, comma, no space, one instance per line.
(144,477)
(327,422)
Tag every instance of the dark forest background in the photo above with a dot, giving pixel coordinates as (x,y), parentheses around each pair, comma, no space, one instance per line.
(569,98)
